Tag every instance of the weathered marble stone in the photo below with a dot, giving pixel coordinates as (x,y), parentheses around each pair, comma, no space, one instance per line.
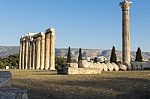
(116,67)
(84,71)
(74,65)
(104,67)
(13,93)
(99,65)
(126,54)
(123,67)
(84,64)
(140,65)
(5,79)
(110,66)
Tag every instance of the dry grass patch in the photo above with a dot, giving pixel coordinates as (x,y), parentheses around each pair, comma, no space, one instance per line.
(47,84)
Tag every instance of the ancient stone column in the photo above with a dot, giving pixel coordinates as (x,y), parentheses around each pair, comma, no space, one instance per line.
(26,52)
(20,53)
(38,51)
(42,50)
(23,53)
(47,49)
(52,49)
(126,57)
(33,54)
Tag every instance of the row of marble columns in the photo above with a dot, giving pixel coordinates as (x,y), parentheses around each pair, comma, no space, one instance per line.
(37,50)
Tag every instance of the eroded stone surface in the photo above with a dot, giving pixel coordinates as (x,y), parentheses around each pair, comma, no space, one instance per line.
(85,66)
(6,92)
(140,65)
(5,79)
(13,93)
(84,70)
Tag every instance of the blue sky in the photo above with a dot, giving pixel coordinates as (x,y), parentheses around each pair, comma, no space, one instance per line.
(78,23)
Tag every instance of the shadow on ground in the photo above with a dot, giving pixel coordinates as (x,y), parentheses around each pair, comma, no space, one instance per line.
(66,87)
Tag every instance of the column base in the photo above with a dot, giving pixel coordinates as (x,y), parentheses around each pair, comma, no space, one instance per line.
(52,68)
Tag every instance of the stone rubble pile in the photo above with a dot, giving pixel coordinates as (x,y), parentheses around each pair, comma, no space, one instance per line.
(102,66)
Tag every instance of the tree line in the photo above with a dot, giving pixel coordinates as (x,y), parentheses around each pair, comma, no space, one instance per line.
(113,57)
(13,60)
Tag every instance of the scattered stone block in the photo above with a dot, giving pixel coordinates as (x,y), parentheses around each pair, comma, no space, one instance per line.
(6,92)
(74,65)
(5,79)
(123,67)
(116,67)
(104,67)
(13,93)
(110,66)
(84,70)
(140,65)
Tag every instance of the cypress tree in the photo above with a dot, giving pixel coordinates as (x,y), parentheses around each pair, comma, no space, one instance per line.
(80,54)
(69,56)
(138,57)
(95,60)
(113,57)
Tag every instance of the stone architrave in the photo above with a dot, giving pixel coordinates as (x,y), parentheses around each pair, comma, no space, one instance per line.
(52,48)
(20,53)
(126,57)
(47,49)
(42,50)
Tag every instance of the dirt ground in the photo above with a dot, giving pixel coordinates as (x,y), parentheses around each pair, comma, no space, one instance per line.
(108,85)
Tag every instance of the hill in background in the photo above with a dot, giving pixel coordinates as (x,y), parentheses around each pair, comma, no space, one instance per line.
(5,51)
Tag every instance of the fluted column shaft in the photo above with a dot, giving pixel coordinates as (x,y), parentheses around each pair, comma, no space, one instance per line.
(26,53)
(126,55)
(42,51)
(20,53)
(38,50)
(33,54)
(47,50)
(30,56)
(52,49)
(23,54)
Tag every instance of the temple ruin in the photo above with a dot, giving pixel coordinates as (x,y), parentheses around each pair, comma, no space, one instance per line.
(37,50)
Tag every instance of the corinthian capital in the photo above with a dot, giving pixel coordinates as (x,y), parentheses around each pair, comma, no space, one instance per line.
(125,5)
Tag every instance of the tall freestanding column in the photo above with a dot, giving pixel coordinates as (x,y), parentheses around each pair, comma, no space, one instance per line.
(52,49)
(126,57)
(47,49)
(42,50)
(20,53)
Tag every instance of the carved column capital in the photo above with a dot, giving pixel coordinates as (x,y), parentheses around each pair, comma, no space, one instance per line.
(125,5)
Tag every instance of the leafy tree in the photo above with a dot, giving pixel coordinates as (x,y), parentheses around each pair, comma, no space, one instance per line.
(113,57)
(80,55)
(69,56)
(95,60)
(1,65)
(60,61)
(138,57)
(12,60)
